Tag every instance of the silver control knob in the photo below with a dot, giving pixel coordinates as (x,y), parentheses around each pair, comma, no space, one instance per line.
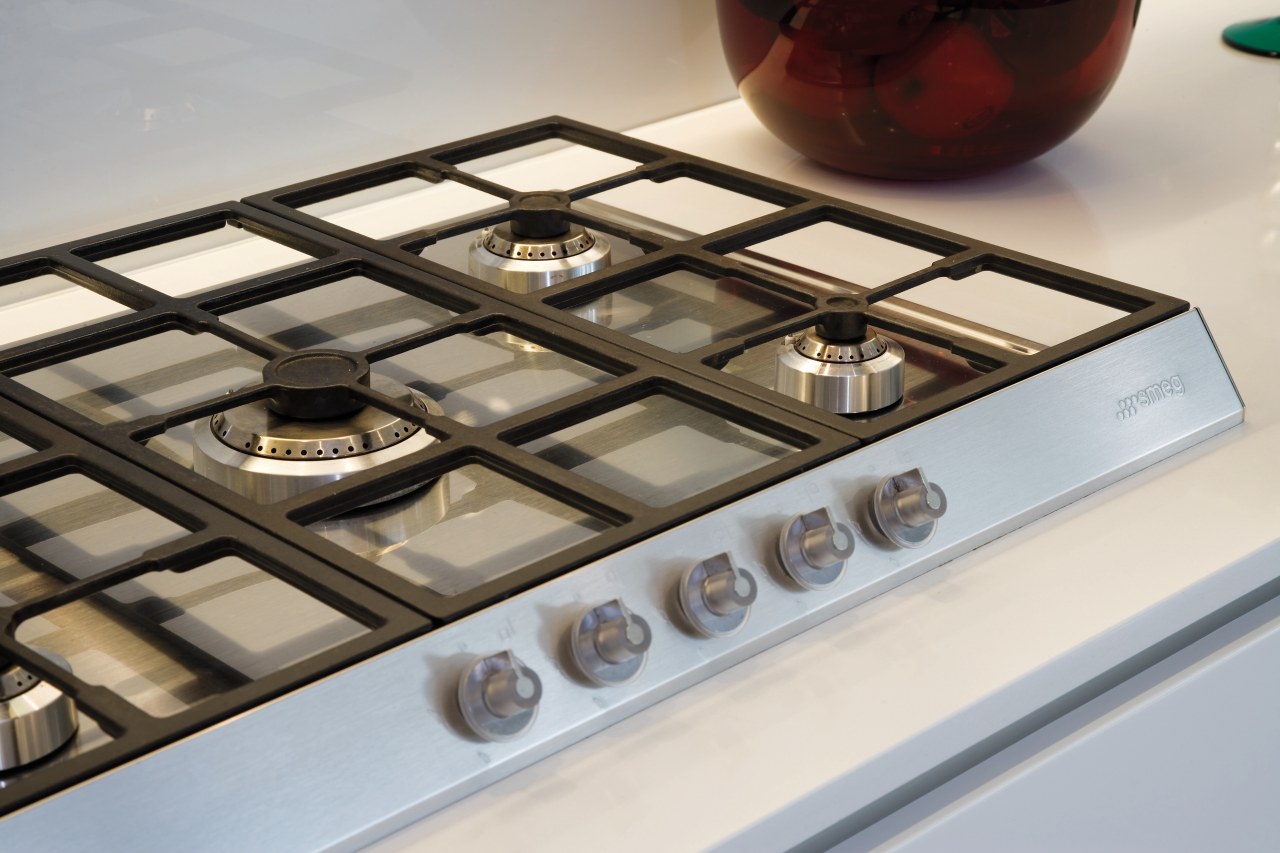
(715,596)
(906,508)
(813,549)
(499,696)
(610,644)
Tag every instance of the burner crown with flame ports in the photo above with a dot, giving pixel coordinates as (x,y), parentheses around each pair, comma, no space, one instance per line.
(538,247)
(840,364)
(312,430)
(35,717)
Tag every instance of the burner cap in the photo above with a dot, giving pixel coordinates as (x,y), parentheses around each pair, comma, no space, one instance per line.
(316,384)
(35,717)
(845,318)
(840,364)
(538,230)
(539,215)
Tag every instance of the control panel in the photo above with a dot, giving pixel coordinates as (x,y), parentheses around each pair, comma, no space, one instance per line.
(683,600)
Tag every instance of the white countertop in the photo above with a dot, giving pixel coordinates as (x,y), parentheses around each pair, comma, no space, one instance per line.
(1171,186)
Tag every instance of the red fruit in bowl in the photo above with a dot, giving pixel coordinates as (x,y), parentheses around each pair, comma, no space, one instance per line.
(809,60)
(986,84)
(948,85)
(793,90)
(1098,70)
(819,83)
(1043,37)
(864,27)
(745,34)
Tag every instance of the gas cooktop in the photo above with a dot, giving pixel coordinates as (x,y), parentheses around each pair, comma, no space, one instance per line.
(449,461)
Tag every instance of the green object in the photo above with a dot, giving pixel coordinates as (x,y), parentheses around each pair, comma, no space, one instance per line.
(1260,37)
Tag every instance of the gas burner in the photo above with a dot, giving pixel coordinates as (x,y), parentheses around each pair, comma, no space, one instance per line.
(312,431)
(840,364)
(538,247)
(35,717)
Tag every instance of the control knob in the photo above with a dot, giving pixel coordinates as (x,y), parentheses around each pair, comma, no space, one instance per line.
(813,549)
(499,696)
(715,596)
(906,507)
(610,644)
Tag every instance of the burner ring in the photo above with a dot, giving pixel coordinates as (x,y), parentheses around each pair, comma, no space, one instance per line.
(524,264)
(502,242)
(255,430)
(36,717)
(269,457)
(14,680)
(820,349)
(843,384)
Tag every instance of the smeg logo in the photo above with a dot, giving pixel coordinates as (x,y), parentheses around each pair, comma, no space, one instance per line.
(1156,392)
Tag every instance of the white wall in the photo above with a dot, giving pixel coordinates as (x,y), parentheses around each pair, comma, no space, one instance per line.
(113,112)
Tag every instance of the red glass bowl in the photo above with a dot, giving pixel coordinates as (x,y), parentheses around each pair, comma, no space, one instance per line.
(924,89)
